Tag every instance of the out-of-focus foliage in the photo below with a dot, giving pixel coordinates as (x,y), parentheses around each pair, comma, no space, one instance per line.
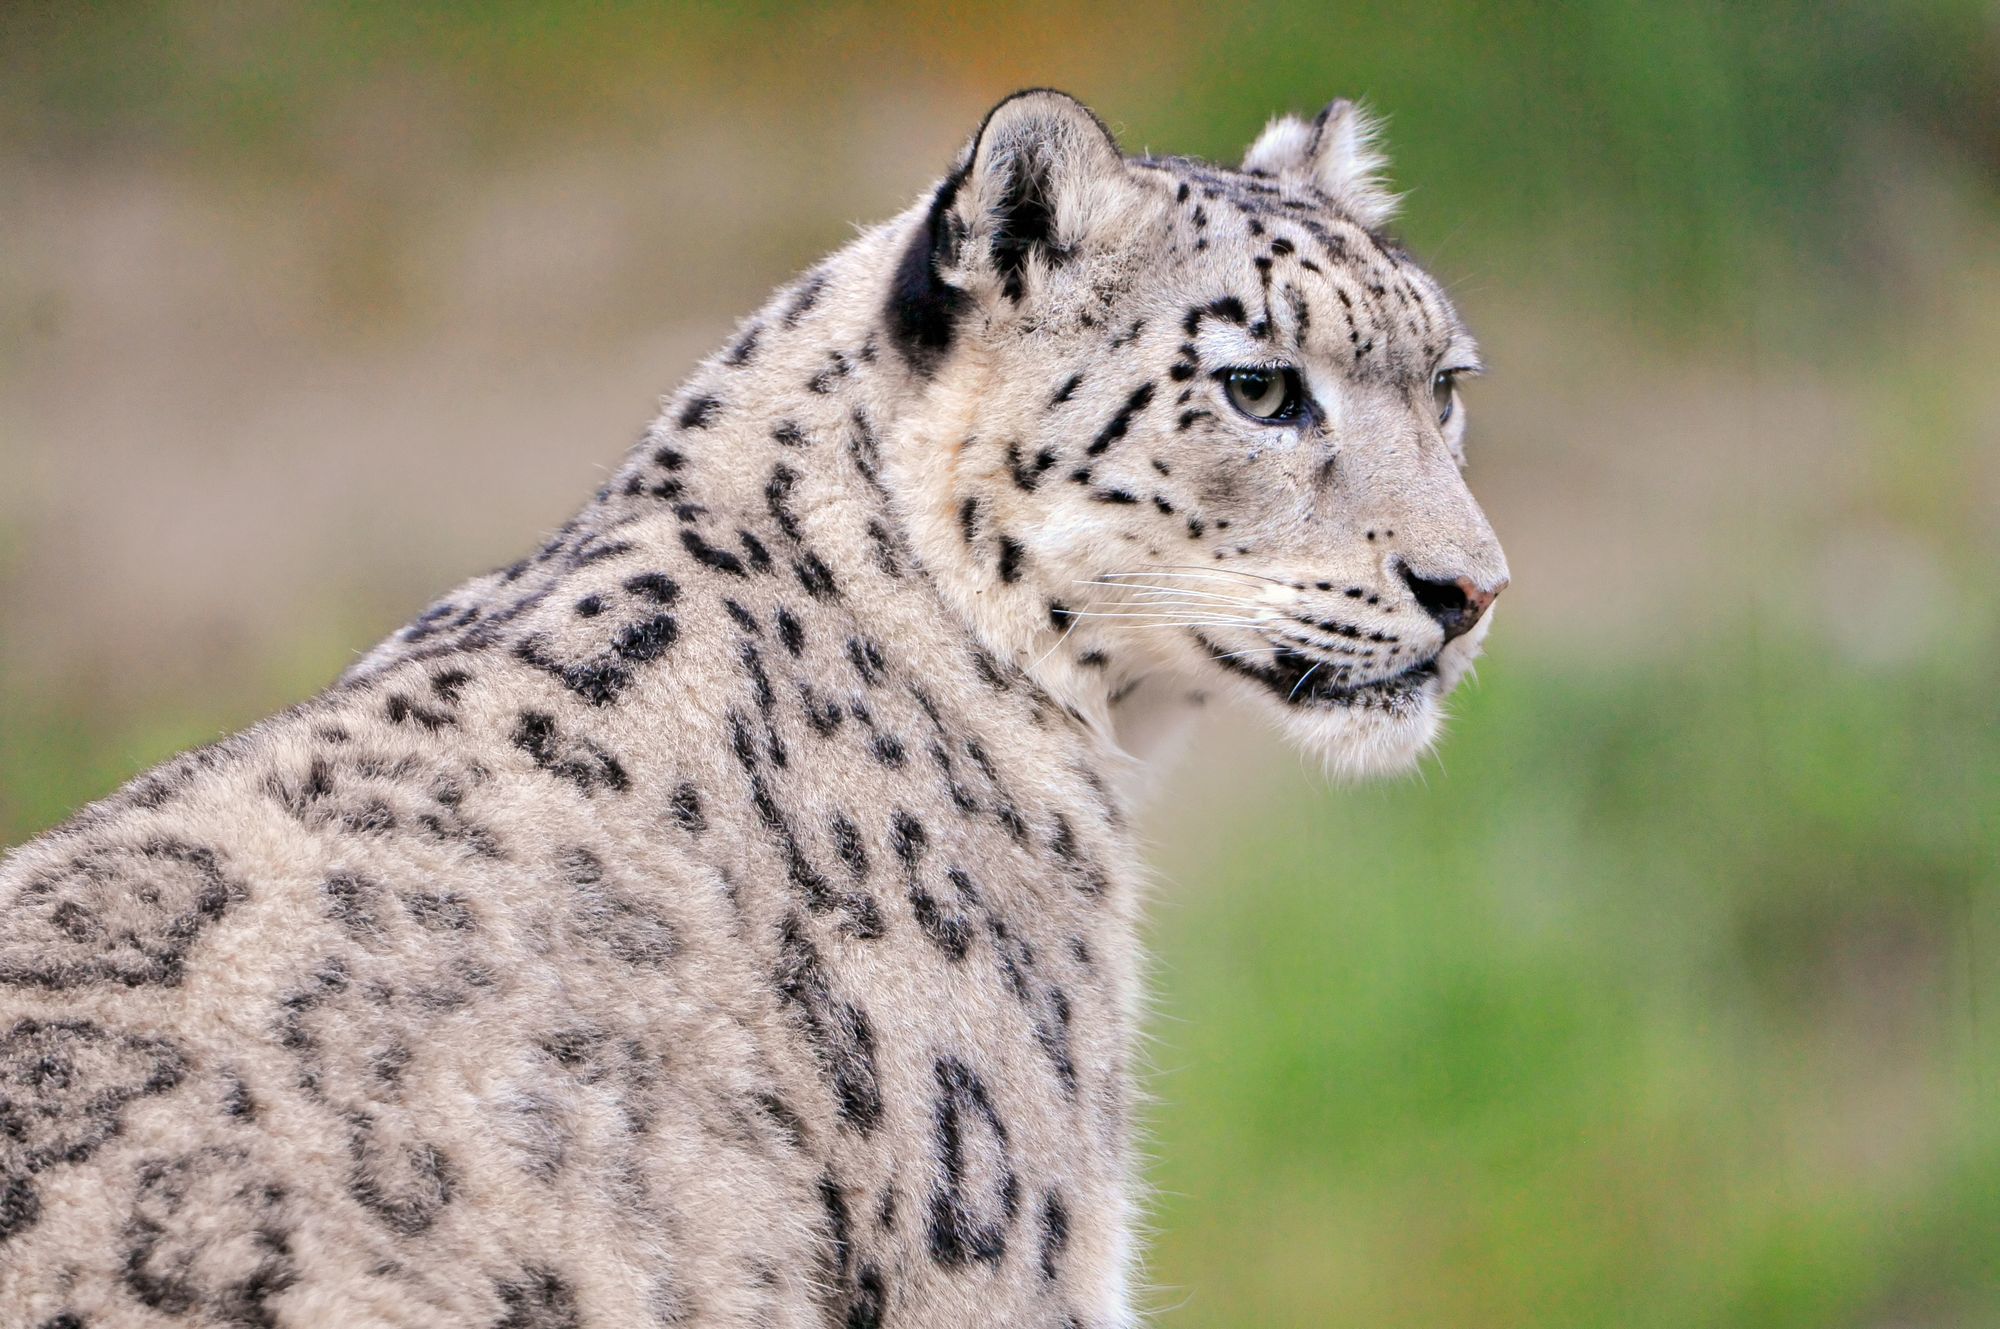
(1689,146)
(1664,998)
(1660,1002)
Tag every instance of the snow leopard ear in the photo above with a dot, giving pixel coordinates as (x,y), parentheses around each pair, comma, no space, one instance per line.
(1043,174)
(1336,153)
(1039,179)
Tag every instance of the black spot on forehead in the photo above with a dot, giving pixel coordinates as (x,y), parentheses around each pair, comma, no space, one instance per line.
(1286,212)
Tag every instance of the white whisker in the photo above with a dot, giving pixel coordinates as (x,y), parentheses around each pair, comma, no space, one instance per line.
(1056,647)
(1173,592)
(1144,581)
(1225,572)
(1197,575)
(1163,615)
(1228,590)
(1187,597)
(1145,591)
(1162,620)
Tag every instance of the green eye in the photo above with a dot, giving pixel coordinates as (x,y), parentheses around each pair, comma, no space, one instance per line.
(1444,393)
(1269,395)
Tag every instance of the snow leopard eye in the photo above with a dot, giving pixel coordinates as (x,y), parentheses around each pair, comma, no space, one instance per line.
(1266,395)
(1444,392)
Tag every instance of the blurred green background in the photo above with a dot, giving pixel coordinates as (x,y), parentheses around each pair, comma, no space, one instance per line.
(1665,996)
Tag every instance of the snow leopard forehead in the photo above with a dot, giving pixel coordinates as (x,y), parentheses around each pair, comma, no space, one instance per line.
(1311,275)
(1044,212)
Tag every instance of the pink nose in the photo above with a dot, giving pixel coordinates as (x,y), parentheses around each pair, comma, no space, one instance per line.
(1456,604)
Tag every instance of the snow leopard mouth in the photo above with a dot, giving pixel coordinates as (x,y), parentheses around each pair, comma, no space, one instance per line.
(1300,680)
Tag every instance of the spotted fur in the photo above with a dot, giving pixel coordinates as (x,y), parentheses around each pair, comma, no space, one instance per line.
(725,915)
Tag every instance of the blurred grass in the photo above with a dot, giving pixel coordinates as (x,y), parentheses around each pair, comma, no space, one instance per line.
(55,758)
(1664,1000)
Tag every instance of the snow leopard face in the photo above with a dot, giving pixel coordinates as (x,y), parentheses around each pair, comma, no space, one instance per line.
(1203,423)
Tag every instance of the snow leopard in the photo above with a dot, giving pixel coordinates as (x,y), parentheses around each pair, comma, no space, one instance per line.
(727,915)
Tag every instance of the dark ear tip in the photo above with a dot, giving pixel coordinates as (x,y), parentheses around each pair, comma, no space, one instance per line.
(1332,111)
(1054,94)
(1060,103)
